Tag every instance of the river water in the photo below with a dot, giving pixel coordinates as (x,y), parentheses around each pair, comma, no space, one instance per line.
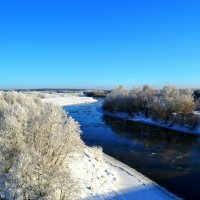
(170,158)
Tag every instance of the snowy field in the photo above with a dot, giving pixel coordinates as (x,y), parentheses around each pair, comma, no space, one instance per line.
(66,99)
(141,118)
(107,178)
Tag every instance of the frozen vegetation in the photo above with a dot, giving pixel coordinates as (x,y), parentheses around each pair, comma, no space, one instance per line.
(170,107)
(43,157)
(37,142)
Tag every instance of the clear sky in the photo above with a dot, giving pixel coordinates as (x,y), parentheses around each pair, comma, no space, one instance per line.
(99,43)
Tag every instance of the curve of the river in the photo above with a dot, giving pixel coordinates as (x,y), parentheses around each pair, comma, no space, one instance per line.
(170,158)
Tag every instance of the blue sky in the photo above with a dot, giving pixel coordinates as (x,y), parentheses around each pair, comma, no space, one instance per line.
(99,43)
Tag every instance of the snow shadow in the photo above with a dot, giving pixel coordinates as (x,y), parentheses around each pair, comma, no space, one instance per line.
(150,192)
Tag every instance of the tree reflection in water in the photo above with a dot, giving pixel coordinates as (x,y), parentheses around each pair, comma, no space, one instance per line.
(168,157)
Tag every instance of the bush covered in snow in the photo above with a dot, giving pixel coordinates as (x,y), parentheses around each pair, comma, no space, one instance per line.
(169,105)
(98,153)
(37,141)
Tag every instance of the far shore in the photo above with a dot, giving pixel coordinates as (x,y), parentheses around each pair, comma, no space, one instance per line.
(149,121)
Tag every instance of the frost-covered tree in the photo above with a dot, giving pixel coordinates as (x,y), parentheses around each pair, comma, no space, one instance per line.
(197,106)
(169,92)
(116,100)
(169,105)
(37,141)
(147,90)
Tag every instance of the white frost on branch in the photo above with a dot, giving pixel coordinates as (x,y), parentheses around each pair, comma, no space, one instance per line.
(36,143)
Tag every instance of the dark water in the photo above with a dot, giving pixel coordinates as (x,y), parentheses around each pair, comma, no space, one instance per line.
(170,158)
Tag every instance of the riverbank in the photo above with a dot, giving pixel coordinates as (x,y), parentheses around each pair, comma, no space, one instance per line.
(142,119)
(134,185)
(66,99)
(109,178)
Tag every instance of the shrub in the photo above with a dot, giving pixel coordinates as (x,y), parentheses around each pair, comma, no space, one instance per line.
(189,120)
(36,144)
(116,100)
(98,153)
(41,96)
(159,105)
(197,105)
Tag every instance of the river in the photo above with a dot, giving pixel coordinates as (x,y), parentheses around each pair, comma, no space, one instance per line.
(169,158)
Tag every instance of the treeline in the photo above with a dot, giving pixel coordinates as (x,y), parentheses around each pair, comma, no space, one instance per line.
(169,105)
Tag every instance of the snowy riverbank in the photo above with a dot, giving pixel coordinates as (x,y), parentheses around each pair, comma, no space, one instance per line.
(110,179)
(143,119)
(106,178)
(66,99)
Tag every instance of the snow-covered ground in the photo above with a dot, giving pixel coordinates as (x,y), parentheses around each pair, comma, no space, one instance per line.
(65,99)
(141,118)
(108,178)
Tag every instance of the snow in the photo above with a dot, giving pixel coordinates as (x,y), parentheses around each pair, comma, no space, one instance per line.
(65,99)
(141,118)
(113,180)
